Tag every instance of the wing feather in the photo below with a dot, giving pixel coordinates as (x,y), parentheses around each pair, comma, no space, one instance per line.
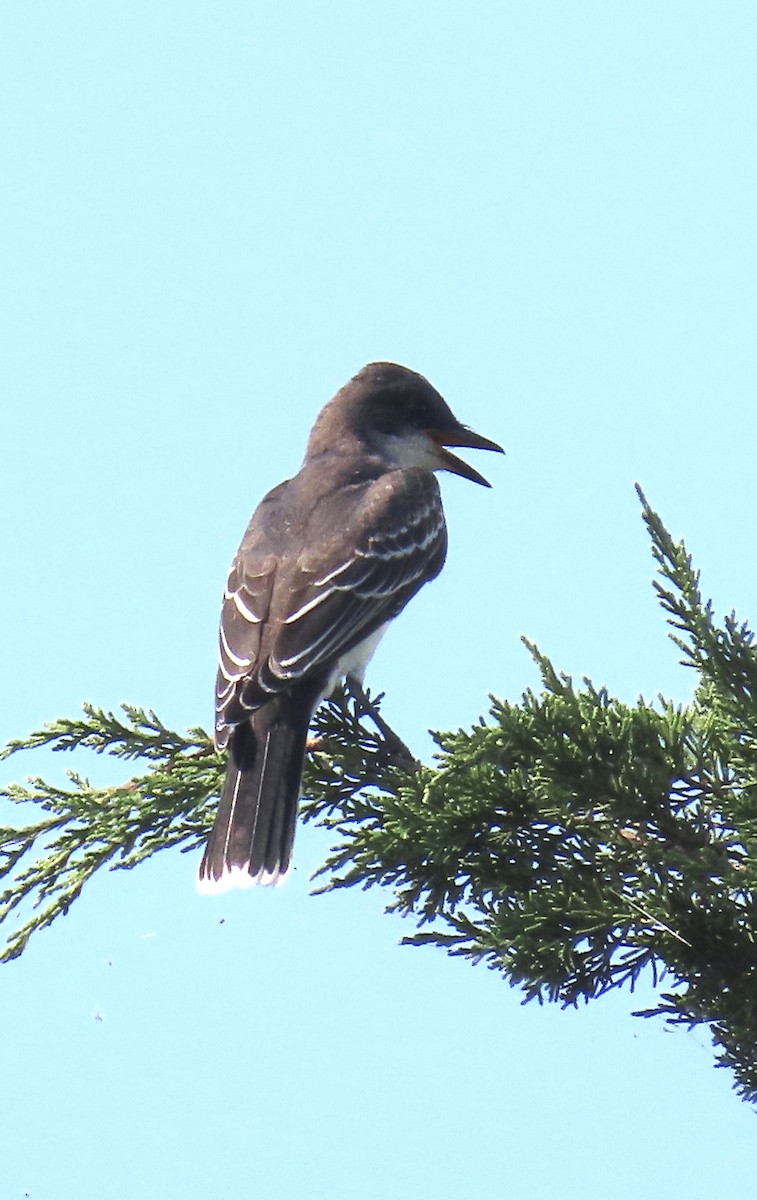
(352,566)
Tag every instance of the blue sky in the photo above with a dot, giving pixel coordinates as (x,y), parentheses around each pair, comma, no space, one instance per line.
(212,215)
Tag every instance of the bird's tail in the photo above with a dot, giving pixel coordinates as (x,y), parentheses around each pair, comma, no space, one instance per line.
(251,840)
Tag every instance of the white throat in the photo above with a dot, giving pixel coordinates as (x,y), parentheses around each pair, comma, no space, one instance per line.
(411,450)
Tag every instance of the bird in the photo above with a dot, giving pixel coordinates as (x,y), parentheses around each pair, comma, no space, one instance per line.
(329,559)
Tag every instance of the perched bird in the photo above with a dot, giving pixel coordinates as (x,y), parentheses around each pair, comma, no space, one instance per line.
(329,558)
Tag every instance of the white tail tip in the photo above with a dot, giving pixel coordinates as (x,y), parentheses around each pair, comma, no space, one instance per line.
(238,877)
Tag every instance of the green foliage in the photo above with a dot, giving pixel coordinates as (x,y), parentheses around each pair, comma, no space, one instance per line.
(571,841)
(85,827)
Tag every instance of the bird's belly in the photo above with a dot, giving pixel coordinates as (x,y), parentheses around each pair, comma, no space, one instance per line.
(354,662)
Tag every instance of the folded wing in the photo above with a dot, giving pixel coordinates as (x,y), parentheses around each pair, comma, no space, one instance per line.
(288,616)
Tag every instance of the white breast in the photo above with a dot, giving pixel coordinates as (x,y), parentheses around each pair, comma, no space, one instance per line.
(354,662)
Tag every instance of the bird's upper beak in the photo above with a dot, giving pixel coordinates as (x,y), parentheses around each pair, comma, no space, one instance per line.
(460,436)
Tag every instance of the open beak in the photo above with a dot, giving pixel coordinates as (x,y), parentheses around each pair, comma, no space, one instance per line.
(461,437)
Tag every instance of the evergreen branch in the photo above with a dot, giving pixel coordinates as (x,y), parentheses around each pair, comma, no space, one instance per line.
(142,735)
(90,827)
(571,842)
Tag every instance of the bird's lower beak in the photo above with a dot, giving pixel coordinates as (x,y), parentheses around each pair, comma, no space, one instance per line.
(462,437)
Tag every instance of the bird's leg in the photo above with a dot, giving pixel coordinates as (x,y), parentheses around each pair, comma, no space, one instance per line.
(400,755)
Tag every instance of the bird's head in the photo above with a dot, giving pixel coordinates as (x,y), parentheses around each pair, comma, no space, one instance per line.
(397,413)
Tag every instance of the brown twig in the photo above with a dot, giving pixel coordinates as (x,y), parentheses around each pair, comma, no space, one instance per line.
(399,755)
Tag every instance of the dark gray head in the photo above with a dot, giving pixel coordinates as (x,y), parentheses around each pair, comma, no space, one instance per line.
(395,412)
